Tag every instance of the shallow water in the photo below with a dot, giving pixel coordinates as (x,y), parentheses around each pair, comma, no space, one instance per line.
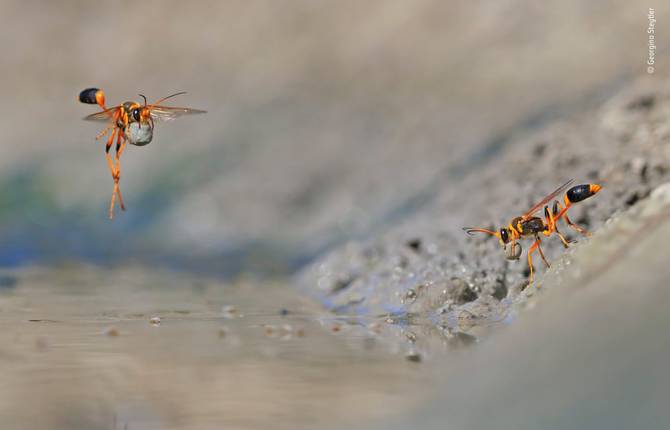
(79,351)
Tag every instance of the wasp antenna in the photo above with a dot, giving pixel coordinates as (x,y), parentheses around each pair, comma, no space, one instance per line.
(145,99)
(470,230)
(169,97)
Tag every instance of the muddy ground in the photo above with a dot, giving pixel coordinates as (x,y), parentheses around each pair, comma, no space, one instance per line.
(429,266)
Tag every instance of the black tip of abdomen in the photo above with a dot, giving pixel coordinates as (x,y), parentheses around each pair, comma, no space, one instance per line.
(579,193)
(88,96)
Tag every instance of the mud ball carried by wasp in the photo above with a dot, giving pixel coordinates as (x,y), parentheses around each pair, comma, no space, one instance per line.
(513,252)
(139,134)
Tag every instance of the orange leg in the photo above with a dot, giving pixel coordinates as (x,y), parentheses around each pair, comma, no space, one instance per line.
(112,170)
(115,169)
(110,164)
(539,248)
(550,220)
(582,230)
(120,145)
(563,239)
(530,261)
(536,245)
(564,214)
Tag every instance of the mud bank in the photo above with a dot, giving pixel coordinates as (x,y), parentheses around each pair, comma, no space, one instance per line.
(590,351)
(428,267)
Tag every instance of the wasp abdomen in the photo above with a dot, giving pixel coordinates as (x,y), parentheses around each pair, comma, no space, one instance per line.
(88,96)
(581,192)
(92,96)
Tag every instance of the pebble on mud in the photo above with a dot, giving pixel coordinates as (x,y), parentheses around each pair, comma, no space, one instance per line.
(229,312)
(112,332)
(270,330)
(414,357)
(414,244)
(336,327)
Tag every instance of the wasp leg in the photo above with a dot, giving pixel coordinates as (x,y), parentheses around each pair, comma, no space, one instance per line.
(575,227)
(530,260)
(550,220)
(112,170)
(563,213)
(120,145)
(539,248)
(110,163)
(566,243)
(113,200)
(104,132)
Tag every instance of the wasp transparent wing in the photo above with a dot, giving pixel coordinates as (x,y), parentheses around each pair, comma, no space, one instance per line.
(547,199)
(105,115)
(168,113)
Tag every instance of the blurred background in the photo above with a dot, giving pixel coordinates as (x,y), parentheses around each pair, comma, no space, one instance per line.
(329,122)
(326,120)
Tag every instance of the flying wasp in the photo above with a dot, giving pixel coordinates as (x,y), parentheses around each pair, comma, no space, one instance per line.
(130,122)
(530,226)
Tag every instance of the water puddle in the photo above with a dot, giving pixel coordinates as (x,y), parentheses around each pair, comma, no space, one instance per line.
(85,348)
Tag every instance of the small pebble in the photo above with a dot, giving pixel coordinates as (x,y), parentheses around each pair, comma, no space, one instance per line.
(223,332)
(413,357)
(410,297)
(229,312)
(270,330)
(112,332)
(414,244)
(411,337)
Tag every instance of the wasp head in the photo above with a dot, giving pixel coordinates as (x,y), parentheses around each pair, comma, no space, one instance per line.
(505,236)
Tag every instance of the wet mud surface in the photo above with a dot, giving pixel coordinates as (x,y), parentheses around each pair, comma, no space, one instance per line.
(135,349)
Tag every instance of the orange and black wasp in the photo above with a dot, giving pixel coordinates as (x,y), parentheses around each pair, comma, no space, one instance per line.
(130,122)
(530,226)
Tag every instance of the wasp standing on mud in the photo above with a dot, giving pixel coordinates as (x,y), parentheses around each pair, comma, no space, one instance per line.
(131,123)
(529,226)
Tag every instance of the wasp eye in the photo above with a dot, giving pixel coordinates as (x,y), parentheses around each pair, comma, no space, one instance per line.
(504,235)
(136,115)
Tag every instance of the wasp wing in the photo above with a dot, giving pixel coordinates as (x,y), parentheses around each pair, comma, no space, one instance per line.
(168,113)
(104,115)
(547,199)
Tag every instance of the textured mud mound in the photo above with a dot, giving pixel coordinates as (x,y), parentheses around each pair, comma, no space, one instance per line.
(430,268)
